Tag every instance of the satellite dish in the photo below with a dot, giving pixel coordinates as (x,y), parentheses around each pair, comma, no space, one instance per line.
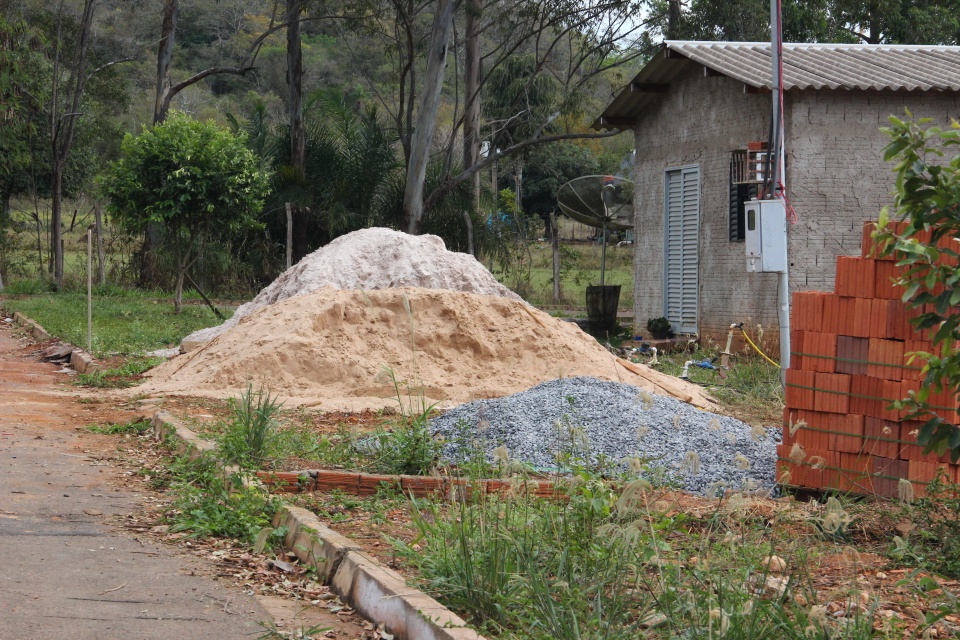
(598,201)
(604,202)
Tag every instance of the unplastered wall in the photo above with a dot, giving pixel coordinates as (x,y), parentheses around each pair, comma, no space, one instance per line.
(701,120)
(837,178)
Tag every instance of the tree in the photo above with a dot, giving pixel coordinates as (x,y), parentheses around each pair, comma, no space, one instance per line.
(572,42)
(422,138)
(194,178)
(547,169)
(927,202)
(871,22)
(63,122)
(20,80)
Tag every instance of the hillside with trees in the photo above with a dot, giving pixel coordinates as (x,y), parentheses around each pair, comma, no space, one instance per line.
(412,114)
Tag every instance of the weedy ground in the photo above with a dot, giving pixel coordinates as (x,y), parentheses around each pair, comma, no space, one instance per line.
(629,560)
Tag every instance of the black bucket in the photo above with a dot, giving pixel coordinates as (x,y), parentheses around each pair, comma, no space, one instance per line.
(602,303)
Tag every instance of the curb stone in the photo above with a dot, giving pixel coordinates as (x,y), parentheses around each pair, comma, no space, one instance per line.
(377,592)
(38,332)
(80,360)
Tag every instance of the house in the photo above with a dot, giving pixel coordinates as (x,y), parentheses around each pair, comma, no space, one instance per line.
(701,110)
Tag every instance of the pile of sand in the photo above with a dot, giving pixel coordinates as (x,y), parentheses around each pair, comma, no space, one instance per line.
(368,259)
(330,348)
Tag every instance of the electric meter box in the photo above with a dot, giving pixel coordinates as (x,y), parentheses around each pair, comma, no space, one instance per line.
(766,235)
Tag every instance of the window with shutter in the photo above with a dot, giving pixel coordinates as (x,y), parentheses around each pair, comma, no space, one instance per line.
(681,245)
(739,193)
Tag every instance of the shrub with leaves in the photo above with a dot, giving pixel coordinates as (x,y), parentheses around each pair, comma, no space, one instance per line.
(207,504)
(925,244)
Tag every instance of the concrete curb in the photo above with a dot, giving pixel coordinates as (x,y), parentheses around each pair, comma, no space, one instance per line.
(375,591)
(80,360)
(39,333)
(186,442)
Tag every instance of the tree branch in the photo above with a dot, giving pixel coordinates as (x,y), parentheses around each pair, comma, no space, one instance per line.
(464,175)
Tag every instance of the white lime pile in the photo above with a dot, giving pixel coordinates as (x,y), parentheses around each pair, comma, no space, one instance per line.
(370,259)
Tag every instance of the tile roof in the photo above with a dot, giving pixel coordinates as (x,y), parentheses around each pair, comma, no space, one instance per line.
(805,66)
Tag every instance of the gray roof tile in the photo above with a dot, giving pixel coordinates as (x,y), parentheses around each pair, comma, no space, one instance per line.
(805,66)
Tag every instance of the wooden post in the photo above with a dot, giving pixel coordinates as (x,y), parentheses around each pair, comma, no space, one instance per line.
(289,236)
(555,243)
(90,289)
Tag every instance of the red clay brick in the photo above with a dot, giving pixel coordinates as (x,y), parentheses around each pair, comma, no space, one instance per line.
(889,353)
(856,277)
(880,436)
(833,393)
(910,450)
(891,393)
(797,348)
(944,404)
(922,471)
(328,480)
(856,473)
(887,272)
(806,312)
(852,355)
(822,351)
(799,389)
(848,436)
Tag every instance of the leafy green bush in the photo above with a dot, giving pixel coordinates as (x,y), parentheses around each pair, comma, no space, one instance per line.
(928,202)
(659,327)
(207,504)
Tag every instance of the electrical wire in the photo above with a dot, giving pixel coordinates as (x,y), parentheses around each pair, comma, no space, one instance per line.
(757,349)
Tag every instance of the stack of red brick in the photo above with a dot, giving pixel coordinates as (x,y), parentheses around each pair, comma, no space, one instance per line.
(848,363)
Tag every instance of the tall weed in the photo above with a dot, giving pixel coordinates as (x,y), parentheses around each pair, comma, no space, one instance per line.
(251,437)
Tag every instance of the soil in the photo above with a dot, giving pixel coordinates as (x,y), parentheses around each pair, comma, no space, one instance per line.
(347,350)
(84,546)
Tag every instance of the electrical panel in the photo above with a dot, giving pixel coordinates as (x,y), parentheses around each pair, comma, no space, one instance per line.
(766,235)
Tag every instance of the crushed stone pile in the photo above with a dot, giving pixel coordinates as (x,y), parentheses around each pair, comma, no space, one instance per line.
(375,258)
(603,418)
(329,349)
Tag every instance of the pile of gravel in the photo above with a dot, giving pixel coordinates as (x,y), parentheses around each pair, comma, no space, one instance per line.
(615,421)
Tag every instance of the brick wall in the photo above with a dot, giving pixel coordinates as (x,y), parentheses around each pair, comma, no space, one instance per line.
(836,179)
(700,121)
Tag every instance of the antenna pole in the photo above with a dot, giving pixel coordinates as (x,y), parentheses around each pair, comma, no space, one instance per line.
(603,248)
(777,180)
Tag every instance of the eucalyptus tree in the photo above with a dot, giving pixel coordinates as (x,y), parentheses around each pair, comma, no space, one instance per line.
(574,42)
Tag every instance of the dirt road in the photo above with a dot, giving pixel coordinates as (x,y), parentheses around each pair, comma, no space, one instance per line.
(64,572)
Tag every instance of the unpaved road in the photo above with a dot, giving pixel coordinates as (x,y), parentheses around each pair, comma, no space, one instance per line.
(64,573)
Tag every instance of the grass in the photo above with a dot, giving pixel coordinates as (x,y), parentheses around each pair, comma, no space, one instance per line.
(615,565)
(124,322)
(579,267)
(752,391)
(120,377)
